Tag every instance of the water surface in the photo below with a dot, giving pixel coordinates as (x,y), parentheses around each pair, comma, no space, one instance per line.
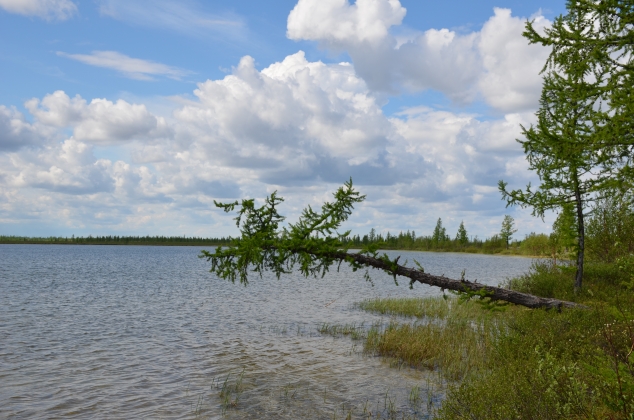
(148,332)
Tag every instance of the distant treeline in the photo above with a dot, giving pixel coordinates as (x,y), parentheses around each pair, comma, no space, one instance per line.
(404,240)
(533,244)
(116,240)
(609,234)
(439,240)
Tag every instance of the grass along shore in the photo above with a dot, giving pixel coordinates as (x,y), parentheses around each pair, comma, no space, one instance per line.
(506,361)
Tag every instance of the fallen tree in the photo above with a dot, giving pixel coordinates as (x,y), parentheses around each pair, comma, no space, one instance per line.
(461,286)
(312,246)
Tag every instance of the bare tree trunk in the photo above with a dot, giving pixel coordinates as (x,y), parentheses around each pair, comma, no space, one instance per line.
(495,293)
(580,252)
(581,238)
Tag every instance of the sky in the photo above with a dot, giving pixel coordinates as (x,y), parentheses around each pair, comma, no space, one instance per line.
(130,117)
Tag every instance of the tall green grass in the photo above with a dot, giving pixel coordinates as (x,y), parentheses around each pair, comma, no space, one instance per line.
(416,307)
(451,336)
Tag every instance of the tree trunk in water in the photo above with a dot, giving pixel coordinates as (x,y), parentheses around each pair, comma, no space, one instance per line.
(495,293)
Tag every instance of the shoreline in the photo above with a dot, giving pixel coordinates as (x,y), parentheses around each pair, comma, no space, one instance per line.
(196,244)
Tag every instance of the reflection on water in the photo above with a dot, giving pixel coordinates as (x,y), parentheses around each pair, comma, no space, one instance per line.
(147,332)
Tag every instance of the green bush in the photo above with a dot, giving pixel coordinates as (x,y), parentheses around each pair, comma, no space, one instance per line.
(545,279)
(573,364)
(534,372)
(610,231)
(535,244)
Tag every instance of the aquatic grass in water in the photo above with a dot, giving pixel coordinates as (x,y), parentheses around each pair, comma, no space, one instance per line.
(387,406)
(356,332)
(455,348)
(423,401)
(450,335)
(415,307)
(230,391)
(437,308)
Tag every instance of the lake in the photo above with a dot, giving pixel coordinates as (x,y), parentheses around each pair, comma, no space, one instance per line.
(148,332)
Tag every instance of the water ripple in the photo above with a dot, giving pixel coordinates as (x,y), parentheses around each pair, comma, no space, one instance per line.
(147,332)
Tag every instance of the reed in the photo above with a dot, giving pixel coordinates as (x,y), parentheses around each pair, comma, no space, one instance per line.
(449,335)
(230,391)
(415,307)
(354,331)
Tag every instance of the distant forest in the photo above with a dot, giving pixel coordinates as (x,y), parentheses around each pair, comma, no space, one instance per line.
(534,244)
(409,240)
(403,240)
(116,240)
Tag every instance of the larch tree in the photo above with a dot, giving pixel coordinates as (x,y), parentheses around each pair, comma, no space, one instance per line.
(440,233)
(610,37)
(566,146)
(563,238)
(461,236)
(508,229)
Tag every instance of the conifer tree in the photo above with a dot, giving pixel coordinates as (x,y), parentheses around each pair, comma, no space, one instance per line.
(508,225)
(440,233)
(563,148)
(608,39)
(564,235)
(461,236)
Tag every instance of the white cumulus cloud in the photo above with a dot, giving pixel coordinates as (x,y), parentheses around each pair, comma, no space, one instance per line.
(15,131)
(511,79)
(495,63)
(337,21)
(100,121)
(292,116)
(68,168)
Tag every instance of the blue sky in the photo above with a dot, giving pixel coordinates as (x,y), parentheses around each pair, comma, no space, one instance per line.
(131,117)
